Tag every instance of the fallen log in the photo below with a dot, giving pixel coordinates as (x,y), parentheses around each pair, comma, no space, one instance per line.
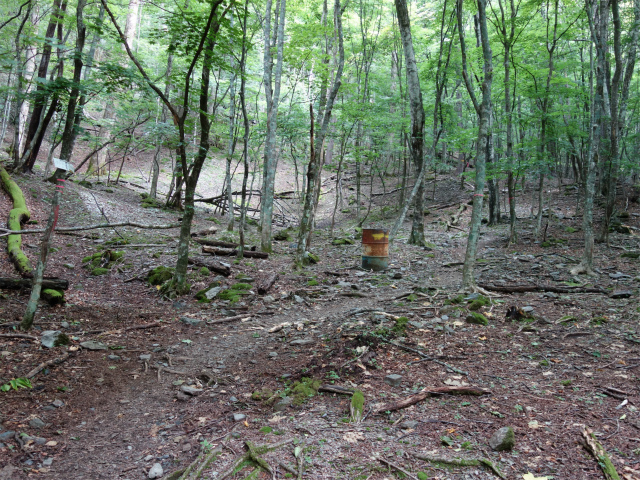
(204,233)
(267,283)
(432,392)
(219,243)
(17,216)
(211,265)
(599,453)
(233,253)
(540,288)
(336,389)
(18,283)
(229,319)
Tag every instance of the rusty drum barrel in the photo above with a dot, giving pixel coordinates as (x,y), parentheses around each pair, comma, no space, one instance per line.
(375,249)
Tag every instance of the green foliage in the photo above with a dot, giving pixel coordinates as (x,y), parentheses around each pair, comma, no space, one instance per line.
(458,299)
(400,325)
(204,271)
(16,383)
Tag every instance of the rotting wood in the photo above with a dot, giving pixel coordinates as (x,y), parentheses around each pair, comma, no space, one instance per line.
(211,265)
(336,389)
(431,392)
(229,319)
(267,283)
(460,462)
(599,453)
(233,253)
(48,363)
(540,288)
(204,233)
(19,335)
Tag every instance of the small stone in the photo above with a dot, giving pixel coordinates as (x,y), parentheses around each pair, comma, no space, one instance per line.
(273,354)
(145,357)
(268,299)
(302,341)
(156,471)
(182,397)
(64,324)
(93,345)
(148,458)
(186,447)
(212,293)
(282,404)
(618,275)
(233,399)
(47,462)
(70,266)
(397,276)
(8,435)
(503,439)
(298,299)
(408,424)
(527,309)
(445,317)
(621,294)
(39,440)
(190,390)
(194,322)
(113,357)
(394,379)
(238,417)
(57,403)
(37,423)
(472,297)
(49,337)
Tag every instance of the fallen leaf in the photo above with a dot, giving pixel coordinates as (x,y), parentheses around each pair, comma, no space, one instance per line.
(534,424)
(530,476)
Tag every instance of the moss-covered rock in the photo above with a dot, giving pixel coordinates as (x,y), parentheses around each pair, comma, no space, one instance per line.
(52,297)
(160,275)
(401,325)
(304,389)
(96,272)
(342,241)
(357,406)
(241,286)
(630,255)
(477,318)
(478,303)
(204,271)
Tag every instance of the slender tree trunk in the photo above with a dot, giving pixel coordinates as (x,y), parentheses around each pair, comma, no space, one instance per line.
(232,143)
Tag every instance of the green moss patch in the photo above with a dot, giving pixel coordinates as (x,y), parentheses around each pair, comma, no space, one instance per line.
(17,216)
(96,272)
(160,275)
(478,303)
(401,325)
(304,389)
(477,318)
(52,297)
(100,263)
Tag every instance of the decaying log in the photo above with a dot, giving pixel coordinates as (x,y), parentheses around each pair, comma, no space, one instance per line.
(267,283)
(431,392)
(336,389)
(6,231)
(233,253)
(594,448)
(18,283)
(204,233)
(17,216)
(540,288)
(229,319)
(211,265)
(218,243)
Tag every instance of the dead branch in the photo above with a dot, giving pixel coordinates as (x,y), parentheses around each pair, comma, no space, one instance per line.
(48,363)
(233,253)
(460,462)
(267,283)
(540,288)
(397,467)
(229,319)
(431,392)
(336,389)
(19,335)
(599,453)
(5,231)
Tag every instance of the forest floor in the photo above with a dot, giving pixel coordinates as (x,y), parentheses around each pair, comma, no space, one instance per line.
(115,413)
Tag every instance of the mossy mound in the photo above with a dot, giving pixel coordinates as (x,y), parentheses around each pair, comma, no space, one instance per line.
(150,202)
(357,406)
(304,389)
(458,299)
(52,297)
(204,271)
(160,275)
(241,286)
(477,319)
(630,255)
(342,241)
(101,263)
(201,295)
(96,272)
(401,325)
(283,235)
(478,303)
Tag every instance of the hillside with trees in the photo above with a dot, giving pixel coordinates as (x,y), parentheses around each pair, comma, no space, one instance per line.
(189,196)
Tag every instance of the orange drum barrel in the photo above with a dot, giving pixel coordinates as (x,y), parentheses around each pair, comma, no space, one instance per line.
(375,249)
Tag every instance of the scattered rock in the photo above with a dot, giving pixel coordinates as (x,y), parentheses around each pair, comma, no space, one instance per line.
(57,403)
(408,424)
(93,345)
(194,322)
(113,357)
(233,399)
(268,299)
(527,309)
(298,299)
(36,423)
(47,462)
(145,357)
(49,338)
(156,471)
(8,435)
(621,294)
(273,354)
(394,379)
(282,404)
(302,341)
(503,439)
(190,390)
(618,275)
(238,417)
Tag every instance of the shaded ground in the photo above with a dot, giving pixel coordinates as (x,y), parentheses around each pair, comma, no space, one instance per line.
(574,364)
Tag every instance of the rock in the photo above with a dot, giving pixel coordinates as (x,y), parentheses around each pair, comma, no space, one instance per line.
(156,471)
(113,357)
(49,338)
(238,417)
(47,462)
(145,357)
(233,399)
(148,458)
(408,424)
(182,397)
(394,380)
(194,322)
(302,341)
(282,404)
(64,324)
(8,435)
(472,297)
(273,354)
(93,345)
(186,447)
(39,440)
(621,294)
(397,276)
(618,275)
(57,403)
(193,391)
(527,309)
(268,299)
(503,439)
(298,299)
(70,266)
(36,423)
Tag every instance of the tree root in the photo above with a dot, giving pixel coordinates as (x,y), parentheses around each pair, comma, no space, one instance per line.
(397,467)
(599,453)
(253,456)
(431,392)
(582,268)
(461,462)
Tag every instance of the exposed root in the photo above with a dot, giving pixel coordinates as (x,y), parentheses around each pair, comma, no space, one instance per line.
(582,268)
(461,462)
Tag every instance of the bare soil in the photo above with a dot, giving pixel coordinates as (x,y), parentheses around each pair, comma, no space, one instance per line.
(574,363)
